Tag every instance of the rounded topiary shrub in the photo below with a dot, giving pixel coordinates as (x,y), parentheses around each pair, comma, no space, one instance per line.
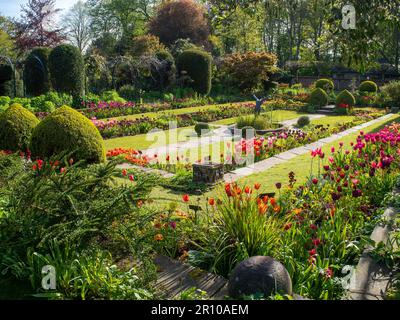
(325,84)
(67,70)
(64,131)
(318,98)
(201,128)
(197,65)
(303,121)
(345,97)
(368,86)
(16,127)
(36,72)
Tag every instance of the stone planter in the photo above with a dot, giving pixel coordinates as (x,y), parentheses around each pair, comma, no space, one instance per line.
(208,173)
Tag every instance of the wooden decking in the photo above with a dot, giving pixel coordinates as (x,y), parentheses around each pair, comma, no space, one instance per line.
(175,277)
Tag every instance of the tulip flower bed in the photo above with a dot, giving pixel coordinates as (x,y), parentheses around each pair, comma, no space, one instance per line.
(314,229)
(125,127)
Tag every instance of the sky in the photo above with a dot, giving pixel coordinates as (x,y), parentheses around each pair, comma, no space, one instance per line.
(11,8)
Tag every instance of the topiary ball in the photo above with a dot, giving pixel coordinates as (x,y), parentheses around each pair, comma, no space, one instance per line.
(259,274)
(16,127)
(325,84)
(303,121)
(318,98)
(201,127)
(67,131)
(368,86)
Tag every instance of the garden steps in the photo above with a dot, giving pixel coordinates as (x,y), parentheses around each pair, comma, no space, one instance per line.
(174,277)
(287,155)
(327,110)
(372,278)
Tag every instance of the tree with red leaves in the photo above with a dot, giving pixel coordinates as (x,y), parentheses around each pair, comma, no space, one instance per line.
(181,19)
(35,29)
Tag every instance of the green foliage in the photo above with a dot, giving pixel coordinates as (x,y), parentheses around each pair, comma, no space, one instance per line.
(67,70)
(248,132)
(391,92)
(36,72)
(345,97)
(256,122)
(325,84)
(128,92)
(7,82)
(248,71)
(197,65)
(146,45)
(66,130)
(303,121)
(368,86)
(164,75)
(111,96)
(201,128)
(318,98)
(16,126)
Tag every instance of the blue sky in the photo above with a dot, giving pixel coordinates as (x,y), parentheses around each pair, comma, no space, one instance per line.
(11,8)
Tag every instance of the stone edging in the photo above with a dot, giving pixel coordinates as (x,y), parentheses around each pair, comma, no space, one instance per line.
(372,279)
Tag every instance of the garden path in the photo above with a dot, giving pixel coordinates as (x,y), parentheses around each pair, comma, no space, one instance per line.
(292,122)
(287,155)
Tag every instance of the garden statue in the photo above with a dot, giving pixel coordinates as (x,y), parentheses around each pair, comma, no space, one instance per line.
(259,103)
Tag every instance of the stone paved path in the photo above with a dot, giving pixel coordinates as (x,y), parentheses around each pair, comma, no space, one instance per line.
(287,155)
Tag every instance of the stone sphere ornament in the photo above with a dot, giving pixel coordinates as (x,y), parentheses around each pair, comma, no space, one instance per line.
(259,275)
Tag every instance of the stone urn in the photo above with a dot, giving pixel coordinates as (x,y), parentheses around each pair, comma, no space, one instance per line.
(259,275)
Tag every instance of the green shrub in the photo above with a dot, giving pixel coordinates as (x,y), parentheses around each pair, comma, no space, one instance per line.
(67,131)
(201,127)
(36,72)
(303,121)
(16,126)
(391,92)
(128,92)
(164,76)
(256,122)
(368,86)
(67,70)
(325,84)
(6,85)
(111,96)
(318,98)
(197,65)
(345,97)
(4,100)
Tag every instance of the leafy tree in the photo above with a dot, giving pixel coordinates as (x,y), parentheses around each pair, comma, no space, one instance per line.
(181,19)
(35,28)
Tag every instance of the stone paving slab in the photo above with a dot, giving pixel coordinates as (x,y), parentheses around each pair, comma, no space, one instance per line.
(300,150)
(287,155)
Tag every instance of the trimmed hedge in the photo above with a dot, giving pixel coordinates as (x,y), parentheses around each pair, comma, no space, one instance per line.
(6,80)
(67,70)
(16,127)
(66,130)
(36,72)
(345,97)
(325,84)
(318,98)
(368,86)
(197,65)
(303,121)
(165,76)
